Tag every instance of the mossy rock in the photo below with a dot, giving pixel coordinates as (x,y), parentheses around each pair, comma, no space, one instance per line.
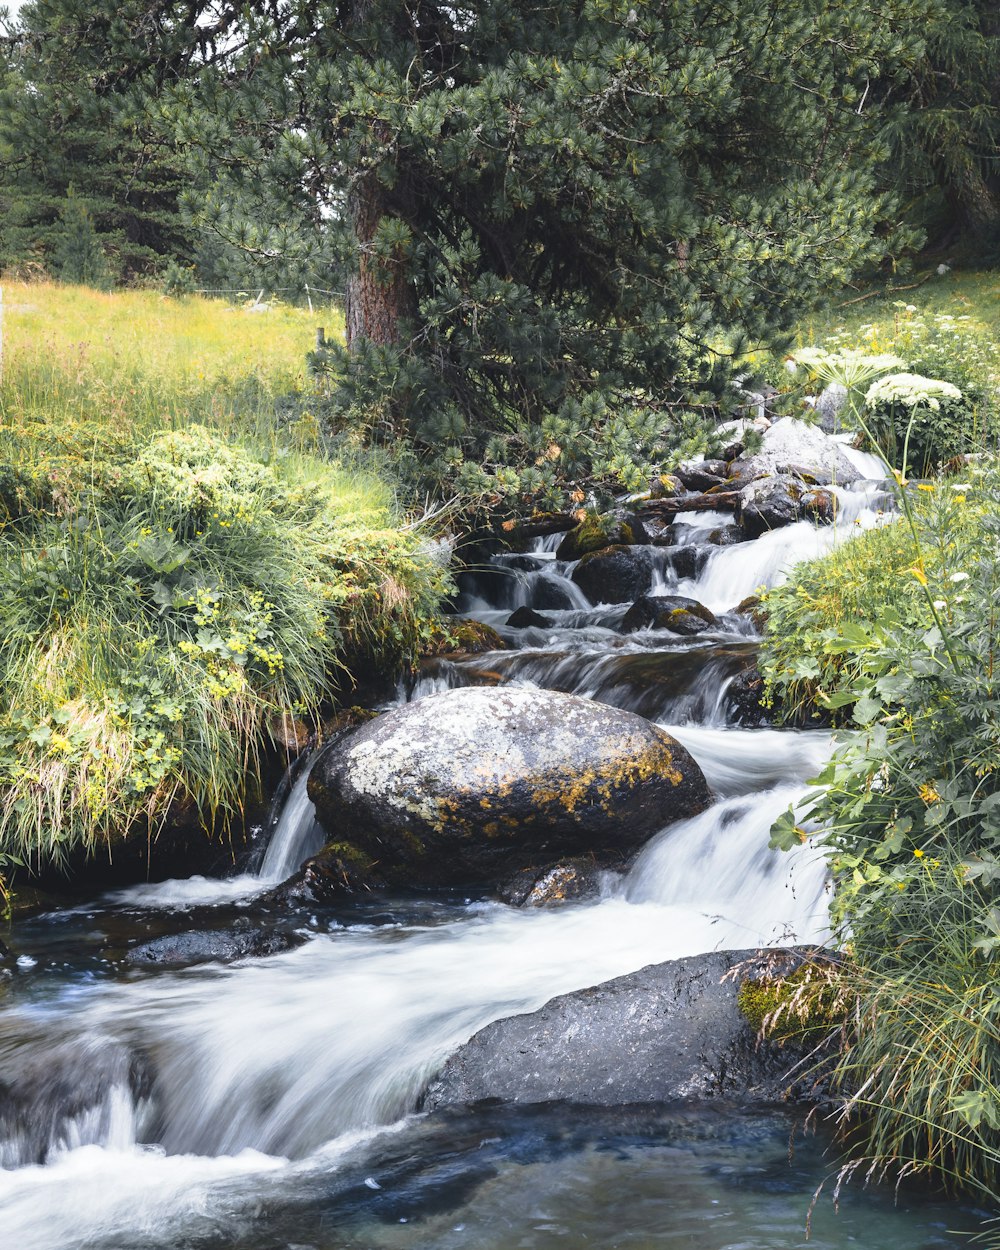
(675,613)
(461,636)
(801,1006)
(599,530)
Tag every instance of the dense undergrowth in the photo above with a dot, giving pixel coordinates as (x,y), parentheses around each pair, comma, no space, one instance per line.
(179,569)
(899,631)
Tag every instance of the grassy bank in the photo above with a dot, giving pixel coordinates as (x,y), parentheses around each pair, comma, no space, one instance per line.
(180,567)
(895,635)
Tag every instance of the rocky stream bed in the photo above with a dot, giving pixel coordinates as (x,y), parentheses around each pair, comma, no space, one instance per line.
(282,1059)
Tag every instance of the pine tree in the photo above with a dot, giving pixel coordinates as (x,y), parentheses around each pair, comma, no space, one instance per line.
(73,163)
(557,210)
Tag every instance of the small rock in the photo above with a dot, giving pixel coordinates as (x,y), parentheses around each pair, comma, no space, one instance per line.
(666,486)
(527,618)
(703,475)
(727,536)
(830,405)
(563,882)
(769,503)
(674,612)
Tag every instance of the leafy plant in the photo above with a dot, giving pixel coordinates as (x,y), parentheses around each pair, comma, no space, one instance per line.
(909,813)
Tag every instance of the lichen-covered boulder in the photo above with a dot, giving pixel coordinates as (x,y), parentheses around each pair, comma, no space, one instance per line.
(474,784)
(806,447)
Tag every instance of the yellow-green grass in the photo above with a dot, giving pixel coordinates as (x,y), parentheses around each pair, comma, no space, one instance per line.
(182,560)
(958,293)
(137,360)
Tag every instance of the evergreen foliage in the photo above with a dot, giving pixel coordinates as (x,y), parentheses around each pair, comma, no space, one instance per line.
(88,194)
(553,210)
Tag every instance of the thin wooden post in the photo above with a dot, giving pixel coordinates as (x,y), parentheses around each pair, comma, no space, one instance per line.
(320,338)
(309,300)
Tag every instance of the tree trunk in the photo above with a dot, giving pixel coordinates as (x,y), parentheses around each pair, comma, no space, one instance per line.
(379,295)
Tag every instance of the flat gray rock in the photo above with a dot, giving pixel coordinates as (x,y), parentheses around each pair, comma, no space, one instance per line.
(668,1032)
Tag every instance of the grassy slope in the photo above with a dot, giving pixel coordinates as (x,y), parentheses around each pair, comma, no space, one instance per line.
(177,563)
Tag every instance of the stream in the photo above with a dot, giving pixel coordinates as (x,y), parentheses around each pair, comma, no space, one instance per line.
(274,1103)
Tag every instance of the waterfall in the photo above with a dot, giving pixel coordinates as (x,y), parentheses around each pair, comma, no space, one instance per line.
(135,1107)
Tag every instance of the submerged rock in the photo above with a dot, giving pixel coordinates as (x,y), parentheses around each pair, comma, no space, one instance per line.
(668,1032)
(561,883)
(676,613)
(470,785)
(211,946)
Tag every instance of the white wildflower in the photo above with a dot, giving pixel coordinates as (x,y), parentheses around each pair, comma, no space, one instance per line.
(958,577)
(911,390)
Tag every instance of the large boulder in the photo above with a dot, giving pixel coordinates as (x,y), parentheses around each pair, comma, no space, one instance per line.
(791,444)
(668,1032)
(474,784)
(616,574)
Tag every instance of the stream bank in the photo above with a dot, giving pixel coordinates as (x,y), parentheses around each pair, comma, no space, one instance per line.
(273,1101)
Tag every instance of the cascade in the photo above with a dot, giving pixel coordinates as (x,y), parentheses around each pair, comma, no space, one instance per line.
(219,1105)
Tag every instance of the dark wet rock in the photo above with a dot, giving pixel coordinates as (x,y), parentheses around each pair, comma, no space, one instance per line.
(745,695)
(600,530)
(524,564)
(702,475)
(338,870)
(561,883)
(685,560)
(616,575)
(211,946)
(674,612)
(753,607)
(770,503)
(470,785)
(668,1032)
(527,618)
(549,594)
(727,536)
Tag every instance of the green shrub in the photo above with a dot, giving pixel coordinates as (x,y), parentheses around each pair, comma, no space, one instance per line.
(156,619)
(909,813)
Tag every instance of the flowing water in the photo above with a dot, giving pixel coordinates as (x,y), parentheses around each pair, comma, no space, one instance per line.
(275,1102)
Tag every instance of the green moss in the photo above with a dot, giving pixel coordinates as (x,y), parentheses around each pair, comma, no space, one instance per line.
(461,637)
(796,1007)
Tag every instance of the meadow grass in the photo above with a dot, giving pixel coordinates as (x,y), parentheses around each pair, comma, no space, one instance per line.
(183,562)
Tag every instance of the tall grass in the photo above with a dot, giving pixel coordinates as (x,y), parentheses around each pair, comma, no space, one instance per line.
(179,565)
